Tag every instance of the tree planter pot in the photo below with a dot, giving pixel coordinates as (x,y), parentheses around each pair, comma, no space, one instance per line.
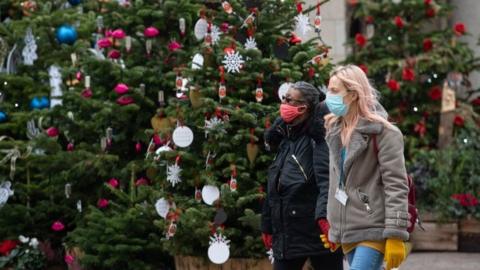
(438,236)
(200,263)
(469,235)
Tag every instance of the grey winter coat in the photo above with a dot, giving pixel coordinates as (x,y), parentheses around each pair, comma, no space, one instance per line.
(376,185)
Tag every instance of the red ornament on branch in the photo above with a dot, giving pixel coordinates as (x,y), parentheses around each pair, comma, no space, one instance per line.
(393,85)
(399,22)
(427,2)
(459,121)
(369,19)
(364,68)
(435,93)
(427,45)
(430,12)
(459,29)
(408,74)
(360,40)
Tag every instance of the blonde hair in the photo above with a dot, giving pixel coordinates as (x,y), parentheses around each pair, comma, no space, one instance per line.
(364,106)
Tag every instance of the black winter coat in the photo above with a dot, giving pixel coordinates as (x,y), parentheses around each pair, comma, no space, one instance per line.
(297,187)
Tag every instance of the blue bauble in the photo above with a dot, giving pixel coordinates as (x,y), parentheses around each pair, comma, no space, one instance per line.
(3,116)
(44,102)
(35,103)
(74,2)
(66,34)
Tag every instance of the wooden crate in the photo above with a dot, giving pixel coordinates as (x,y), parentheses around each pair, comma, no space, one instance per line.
(436,237)
(469,235)
(199,263)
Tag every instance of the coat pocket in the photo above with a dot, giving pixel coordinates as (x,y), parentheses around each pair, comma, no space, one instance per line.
(364,198)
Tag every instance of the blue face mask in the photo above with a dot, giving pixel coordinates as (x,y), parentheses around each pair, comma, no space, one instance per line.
(335,104)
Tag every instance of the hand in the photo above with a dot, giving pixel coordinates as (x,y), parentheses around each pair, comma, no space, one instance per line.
(267,240)
(394,253)
(324,227)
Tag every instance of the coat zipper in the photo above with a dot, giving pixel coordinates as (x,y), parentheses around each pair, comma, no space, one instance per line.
(301,168)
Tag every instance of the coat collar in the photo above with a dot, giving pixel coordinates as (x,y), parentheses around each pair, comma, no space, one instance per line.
(358,141)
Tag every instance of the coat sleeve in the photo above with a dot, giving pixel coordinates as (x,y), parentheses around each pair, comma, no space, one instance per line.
(320,160)
(394,178)
(275,134)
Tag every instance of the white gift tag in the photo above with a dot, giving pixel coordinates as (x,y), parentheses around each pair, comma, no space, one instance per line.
(341,196)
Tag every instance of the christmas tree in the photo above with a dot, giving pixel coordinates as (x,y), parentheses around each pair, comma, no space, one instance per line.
(140,123)
(409,50)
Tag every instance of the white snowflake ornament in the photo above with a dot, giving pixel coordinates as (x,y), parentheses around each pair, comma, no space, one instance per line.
(302,24)
(29,52)
(215,34)
(233,62)
(213,124)
(173,174)
(219,250)
(250,44)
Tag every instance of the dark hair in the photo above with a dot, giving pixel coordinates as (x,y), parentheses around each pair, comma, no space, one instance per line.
(310,93)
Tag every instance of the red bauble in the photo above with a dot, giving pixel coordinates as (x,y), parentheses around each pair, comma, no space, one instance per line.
(364,68)
(295,39)
(430,12)
(393,85)
(459,29)
(360,40)
(52,132)
(427,2)
(102,203)
(70,147)
(435,93)
(399,22)
(427,45)
(369,19)
(125,100)
(408,74)
(114,54)
(459,121)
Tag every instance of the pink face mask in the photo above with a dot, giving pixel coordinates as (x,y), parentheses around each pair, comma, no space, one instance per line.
(289,112)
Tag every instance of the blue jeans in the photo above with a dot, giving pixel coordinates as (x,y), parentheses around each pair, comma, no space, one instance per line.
(365,258)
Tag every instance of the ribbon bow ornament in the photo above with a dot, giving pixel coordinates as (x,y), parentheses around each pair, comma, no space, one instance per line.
(12,155)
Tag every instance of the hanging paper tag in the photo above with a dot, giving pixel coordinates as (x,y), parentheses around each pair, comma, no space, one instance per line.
(222,91)
(233,184)
(341,196)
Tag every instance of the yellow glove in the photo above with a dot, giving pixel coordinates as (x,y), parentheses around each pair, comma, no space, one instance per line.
(394,253)
(327,244)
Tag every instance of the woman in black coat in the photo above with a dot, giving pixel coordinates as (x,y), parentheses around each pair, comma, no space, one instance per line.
(294,213)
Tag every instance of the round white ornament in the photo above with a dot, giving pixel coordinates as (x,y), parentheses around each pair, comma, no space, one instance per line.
(182,136)
(162,207)
(200,29)
(197,62)
(282,90)
(219,250)
(210,194)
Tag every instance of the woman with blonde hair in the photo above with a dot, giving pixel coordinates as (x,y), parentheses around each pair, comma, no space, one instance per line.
(367,206)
